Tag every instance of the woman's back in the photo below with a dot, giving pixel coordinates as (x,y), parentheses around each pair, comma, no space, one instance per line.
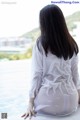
(57,92)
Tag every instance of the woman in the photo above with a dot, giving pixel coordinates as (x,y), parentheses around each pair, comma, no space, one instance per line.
(55,79)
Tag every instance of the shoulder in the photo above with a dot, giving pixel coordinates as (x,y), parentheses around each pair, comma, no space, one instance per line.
(75,58)
(38,46)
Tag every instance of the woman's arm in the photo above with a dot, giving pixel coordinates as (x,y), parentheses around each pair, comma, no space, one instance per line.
(36,71)
(36,79)
(75,74)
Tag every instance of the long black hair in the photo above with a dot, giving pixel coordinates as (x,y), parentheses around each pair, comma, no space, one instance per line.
(55,36)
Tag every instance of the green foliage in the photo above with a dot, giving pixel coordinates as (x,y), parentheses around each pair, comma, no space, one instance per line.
(25,55)
(3,55)
(70,20)
(34,34)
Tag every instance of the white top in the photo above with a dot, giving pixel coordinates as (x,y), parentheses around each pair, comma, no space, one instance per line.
(49,70)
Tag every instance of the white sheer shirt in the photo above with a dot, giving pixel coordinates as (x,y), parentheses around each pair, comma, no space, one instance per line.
(48,70)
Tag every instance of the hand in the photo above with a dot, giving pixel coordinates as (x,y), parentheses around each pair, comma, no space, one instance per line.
(30,112)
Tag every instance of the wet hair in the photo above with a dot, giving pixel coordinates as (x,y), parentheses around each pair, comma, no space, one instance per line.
(55,36)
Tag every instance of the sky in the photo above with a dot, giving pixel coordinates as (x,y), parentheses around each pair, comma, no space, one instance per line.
(20,16)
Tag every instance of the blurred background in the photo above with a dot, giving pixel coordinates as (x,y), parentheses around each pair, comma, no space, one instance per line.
(19,29)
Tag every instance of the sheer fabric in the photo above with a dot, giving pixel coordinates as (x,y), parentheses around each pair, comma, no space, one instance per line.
(54,83)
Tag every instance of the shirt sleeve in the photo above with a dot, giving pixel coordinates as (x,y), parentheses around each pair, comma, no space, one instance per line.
(75,73)
(36,72)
